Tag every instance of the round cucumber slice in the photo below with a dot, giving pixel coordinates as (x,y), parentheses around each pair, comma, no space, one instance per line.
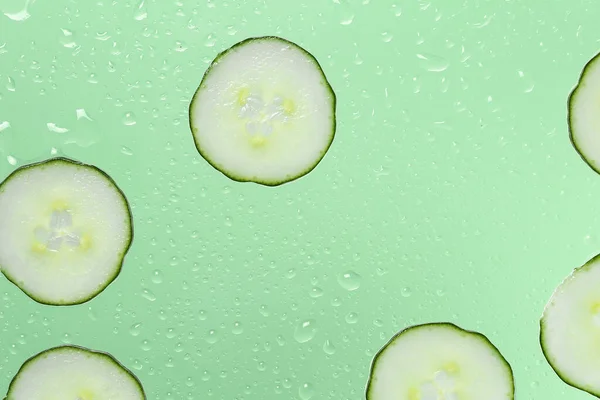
(583,115)
(440,361)
(264,112)
(74,373)
(570,328)
(65,228)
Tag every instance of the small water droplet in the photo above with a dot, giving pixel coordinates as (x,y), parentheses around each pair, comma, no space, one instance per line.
(68,39)
(4,125)
(180,46)
(210,41)
(148,295)
(347,18)
(306,391)
(212,336)
(140,12)
(135,329)
(81,114)
(305,331)
(316,292)
(129,119)
(433,63)
(52,127)
(352,318)
(328,347)
(157,276)
(237,328)
(126,150)
(11,86)
(146,345)
(349,280)
(406,292)
(11,160)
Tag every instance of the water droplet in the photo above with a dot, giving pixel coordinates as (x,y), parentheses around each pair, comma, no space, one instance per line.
(306,391)
(433,63)
(237,328)
(264,310)
(212,336)
(316,292)
(349,280)
(11,86)
(352,318)
(305,331)
(135,329)
(68,39)
(81,114)
(347,18)
(406,292)
(52,127)
(11,160)
(4,125)
(328,347)
(20,15)
(157,276)
(180,46)
(146,345)
(210,41)
(129,119)
(140,12)
(148,295)
(126,150)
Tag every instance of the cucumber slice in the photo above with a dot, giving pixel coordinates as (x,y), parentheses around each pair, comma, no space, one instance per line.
(570,328)
(583,115)
(264,112)
(74,373)
(440,361)
(65,228)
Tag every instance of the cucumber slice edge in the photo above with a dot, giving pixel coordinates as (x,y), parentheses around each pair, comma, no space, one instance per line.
(118,268)
(570,104)
(95,353)
(545,351)
(450,325)
(215,63)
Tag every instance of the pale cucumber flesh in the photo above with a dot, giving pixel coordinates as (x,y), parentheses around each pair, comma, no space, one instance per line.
(570,328)
(65,228)
(74,373)
(264,112)
(440,361)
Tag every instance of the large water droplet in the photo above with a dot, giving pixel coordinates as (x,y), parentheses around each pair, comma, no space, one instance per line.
(352,318)
(349,280)
(4,125)
(237,328)
(306,391)
(11,86)
(212,336)
(305,331)
(157,276)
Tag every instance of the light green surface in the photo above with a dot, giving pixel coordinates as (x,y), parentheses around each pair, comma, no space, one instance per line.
(451,188)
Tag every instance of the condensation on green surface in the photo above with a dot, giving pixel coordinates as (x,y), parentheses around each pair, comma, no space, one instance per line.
(451,192)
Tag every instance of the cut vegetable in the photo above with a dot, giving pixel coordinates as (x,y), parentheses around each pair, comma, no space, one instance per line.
(74,373)
(440,361)
(570,328)
(584,115)
(65,228)
(264,112)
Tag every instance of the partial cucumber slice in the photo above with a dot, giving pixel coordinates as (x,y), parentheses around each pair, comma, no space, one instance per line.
(570,328)
(440,361)
(264,112)
(584,118)
(74,373)
(65,228)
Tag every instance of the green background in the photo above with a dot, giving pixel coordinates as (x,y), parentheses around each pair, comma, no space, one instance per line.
(451,191)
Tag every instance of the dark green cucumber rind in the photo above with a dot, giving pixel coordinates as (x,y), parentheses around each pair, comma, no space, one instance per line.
(572,102)
(588,265)
(94,353)
(117,269)
(220,168)
(480,336)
